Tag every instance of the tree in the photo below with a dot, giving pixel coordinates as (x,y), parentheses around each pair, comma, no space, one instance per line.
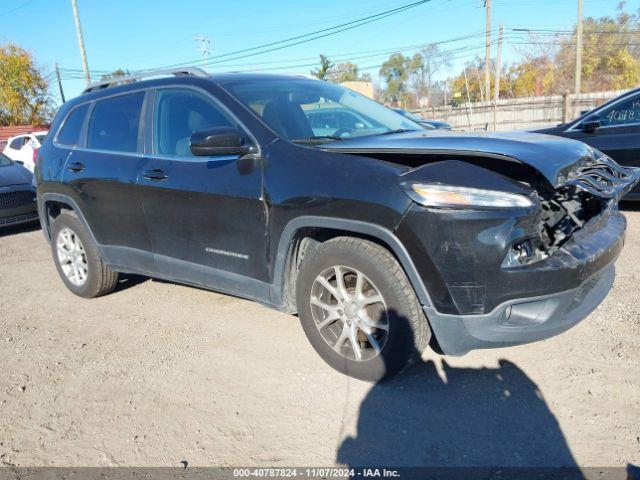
(347,72)
(116,73)
(395,72)
(467,85)
(610,61)
(423,66)
(24,97)
(323,71)
(610,55)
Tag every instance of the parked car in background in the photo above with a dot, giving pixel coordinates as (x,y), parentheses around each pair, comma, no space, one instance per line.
(17,194)
(428,124)
(377,239)
(24,148)
(613,128)
(335,121)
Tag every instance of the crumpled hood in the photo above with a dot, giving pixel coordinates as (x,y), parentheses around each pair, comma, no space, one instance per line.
(553,157)
(14,174)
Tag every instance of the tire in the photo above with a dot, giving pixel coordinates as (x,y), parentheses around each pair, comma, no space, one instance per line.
(99,279)
(407,332)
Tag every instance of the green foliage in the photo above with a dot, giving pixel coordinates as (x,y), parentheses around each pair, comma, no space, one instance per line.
(348,72)
(24,97)
(322,72)
(338,73)
(116,73)
(395,72)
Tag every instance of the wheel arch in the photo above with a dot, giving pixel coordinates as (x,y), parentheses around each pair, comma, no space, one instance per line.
(50,205)
(301,233)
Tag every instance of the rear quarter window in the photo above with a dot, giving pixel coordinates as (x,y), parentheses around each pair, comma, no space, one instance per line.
(115,122)
(69,134)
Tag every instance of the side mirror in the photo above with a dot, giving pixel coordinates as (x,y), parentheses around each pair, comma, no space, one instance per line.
(219,141)
(590,124)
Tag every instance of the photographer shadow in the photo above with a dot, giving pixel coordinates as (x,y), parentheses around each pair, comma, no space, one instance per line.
(457,417)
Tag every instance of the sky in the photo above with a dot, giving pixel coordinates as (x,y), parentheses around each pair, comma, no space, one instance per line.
(139,34)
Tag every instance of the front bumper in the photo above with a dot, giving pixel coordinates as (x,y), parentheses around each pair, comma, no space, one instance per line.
(480,304)
(523,320)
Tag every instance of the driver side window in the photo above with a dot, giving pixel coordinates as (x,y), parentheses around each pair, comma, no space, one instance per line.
(178,114)
(623,113)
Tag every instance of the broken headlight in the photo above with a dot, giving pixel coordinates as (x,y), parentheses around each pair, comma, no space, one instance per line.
(448,196)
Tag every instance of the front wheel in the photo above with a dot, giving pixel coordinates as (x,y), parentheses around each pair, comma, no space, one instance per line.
(359,310)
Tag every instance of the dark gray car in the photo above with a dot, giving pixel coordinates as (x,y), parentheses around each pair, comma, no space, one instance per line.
(613,128)
(17,195)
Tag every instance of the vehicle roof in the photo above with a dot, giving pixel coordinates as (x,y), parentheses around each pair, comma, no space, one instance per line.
(217,79)
(222,78)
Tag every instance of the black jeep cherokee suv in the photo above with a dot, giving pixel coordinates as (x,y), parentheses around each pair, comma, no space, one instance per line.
(376,234)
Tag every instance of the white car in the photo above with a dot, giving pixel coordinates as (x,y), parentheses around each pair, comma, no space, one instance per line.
(24,148)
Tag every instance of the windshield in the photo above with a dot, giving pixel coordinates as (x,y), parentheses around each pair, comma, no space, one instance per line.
(303,110)
(5,161)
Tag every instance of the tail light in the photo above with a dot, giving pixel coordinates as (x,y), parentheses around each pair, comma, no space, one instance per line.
(35,155)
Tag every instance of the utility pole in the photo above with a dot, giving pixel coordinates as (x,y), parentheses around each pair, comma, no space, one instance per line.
(83,53)
(59,83)
(204,43)
(468,97)
(480,87)
(579,49)
(496,93)
(487,51)
(496,87)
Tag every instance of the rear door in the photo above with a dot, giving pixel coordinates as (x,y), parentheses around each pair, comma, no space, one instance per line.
(205,215)
(102,172)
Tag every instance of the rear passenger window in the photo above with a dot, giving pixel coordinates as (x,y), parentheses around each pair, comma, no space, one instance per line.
(70,132)
(114,123)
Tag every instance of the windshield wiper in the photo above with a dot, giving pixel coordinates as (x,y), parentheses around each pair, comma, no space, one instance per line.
(318,139)
(398,130)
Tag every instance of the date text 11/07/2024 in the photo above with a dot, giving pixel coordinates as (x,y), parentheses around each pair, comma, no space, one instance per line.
(315,473)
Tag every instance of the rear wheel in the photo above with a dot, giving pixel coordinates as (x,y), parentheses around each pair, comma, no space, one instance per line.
(358,309)
(77,258)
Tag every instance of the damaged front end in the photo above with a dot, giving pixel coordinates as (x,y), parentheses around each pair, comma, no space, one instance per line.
(504,276)
(589,192)
(513,235)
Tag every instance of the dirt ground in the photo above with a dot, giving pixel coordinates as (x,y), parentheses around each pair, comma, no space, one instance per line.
(157,373)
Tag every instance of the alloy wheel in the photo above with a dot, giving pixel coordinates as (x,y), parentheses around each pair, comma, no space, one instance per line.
(349,313)
(72,257)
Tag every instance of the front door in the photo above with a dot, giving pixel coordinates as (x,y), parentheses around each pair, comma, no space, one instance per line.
(205,215)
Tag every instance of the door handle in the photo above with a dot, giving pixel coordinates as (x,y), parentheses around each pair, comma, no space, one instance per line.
(155,174)
(75,167)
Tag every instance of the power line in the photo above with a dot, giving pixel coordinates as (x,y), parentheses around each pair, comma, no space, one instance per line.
(300,39)
(14,9)
(365,54)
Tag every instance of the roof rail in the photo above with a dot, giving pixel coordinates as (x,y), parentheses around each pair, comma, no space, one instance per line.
(184,71)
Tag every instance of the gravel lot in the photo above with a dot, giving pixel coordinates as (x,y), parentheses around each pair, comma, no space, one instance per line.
(157,373)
